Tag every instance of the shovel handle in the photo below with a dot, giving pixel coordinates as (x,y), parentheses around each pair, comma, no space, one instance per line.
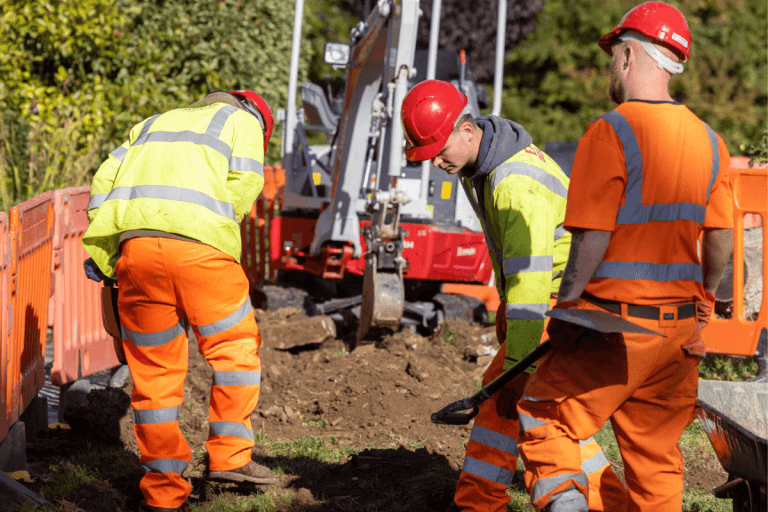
(448,415)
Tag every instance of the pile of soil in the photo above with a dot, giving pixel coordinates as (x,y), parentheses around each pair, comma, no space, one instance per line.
(377,398)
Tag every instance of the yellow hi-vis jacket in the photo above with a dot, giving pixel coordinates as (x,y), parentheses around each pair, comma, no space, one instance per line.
(194,172)
(519,193)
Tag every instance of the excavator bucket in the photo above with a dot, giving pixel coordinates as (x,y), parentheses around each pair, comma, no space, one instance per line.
(383,298)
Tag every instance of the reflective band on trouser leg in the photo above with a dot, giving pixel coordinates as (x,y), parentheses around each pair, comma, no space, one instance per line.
(491,456)
(606,492)
(541,443)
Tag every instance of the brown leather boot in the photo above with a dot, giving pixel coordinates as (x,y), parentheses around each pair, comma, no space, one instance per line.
(251,472)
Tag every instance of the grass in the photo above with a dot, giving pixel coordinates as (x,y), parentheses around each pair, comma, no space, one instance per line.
(66,477)
(698,500)
(267,502)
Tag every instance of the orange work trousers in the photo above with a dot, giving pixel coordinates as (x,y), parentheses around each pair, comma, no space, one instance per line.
(645,384)
(491,456)
(165,286)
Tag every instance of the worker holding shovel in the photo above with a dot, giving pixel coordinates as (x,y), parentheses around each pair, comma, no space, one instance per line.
(648,178)
(519,195)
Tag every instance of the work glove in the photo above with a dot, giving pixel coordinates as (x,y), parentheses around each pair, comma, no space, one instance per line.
(94,273)
(564,336)
(704,311)
(501,322)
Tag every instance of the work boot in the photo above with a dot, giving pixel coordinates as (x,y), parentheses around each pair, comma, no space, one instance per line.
(148,508)
(251,472)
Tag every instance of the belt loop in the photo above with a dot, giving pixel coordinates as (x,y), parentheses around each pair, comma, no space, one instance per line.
(624,309)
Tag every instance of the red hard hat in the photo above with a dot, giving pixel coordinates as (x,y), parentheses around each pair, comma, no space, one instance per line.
(264,110)
(430,111)
(657,20)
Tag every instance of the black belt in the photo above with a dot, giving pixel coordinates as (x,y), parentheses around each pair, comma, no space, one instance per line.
(650,312)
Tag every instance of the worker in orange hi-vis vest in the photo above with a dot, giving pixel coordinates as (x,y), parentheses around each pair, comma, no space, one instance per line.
(647,179)
(165,213)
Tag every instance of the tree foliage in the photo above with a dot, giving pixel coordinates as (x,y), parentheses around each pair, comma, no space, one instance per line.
(471,27)
(112,63)
(556,80)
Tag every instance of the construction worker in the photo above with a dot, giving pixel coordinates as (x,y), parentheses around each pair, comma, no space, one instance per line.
(165,214)
(519,194)
(647,179)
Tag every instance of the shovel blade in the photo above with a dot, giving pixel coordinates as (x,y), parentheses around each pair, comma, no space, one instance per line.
(600,321)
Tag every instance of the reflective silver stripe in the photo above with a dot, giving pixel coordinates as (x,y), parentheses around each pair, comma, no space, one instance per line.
(153,339)
(201,139)
(595,463)
(242,378)
(536,173)
(96,200)
(546,485)
(528,264)
(570,500)
(560,232)
(166,466)
(145,130)
(715,158)
(150,416)
(651,271)
(493,439)
(529,422)
(231,429)
(488,471)
(586,441)
(241,163)
(661,212)
(119,153)
(219,120)
(172,193)
(531,398)
(228,322)
(634,211)
(527,311)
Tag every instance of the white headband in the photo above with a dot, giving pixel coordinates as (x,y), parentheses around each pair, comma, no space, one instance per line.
(662,60)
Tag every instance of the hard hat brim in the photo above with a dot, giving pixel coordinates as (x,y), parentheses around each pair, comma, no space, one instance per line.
(422,153)
(606,42)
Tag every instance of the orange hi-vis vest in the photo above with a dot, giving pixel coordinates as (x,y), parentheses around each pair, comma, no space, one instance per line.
(654,175)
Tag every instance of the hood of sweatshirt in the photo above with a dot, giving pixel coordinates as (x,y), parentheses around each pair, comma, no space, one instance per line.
(501,140)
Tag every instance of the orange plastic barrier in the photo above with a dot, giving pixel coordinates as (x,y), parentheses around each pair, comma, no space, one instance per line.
(81,346)
(5,309)
(751,220)
(31,233)
(737,335)
(254,229)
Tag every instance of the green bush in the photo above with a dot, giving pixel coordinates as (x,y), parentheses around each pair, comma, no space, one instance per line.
(717,367)
(77,74)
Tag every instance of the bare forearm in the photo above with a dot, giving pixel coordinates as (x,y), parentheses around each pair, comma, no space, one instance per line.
(716,250)
(587,250)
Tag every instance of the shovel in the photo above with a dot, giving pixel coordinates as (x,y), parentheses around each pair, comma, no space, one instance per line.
(600,321)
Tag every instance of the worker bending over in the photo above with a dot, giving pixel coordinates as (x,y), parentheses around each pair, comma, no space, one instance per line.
(647,178)
(519,194)
(165,214)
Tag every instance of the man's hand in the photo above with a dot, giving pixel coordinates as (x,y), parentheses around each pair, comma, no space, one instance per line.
(704,311)
(564,335)
(506,403)
(501,322)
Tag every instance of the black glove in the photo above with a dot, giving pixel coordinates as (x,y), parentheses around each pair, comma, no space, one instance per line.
(93,271)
